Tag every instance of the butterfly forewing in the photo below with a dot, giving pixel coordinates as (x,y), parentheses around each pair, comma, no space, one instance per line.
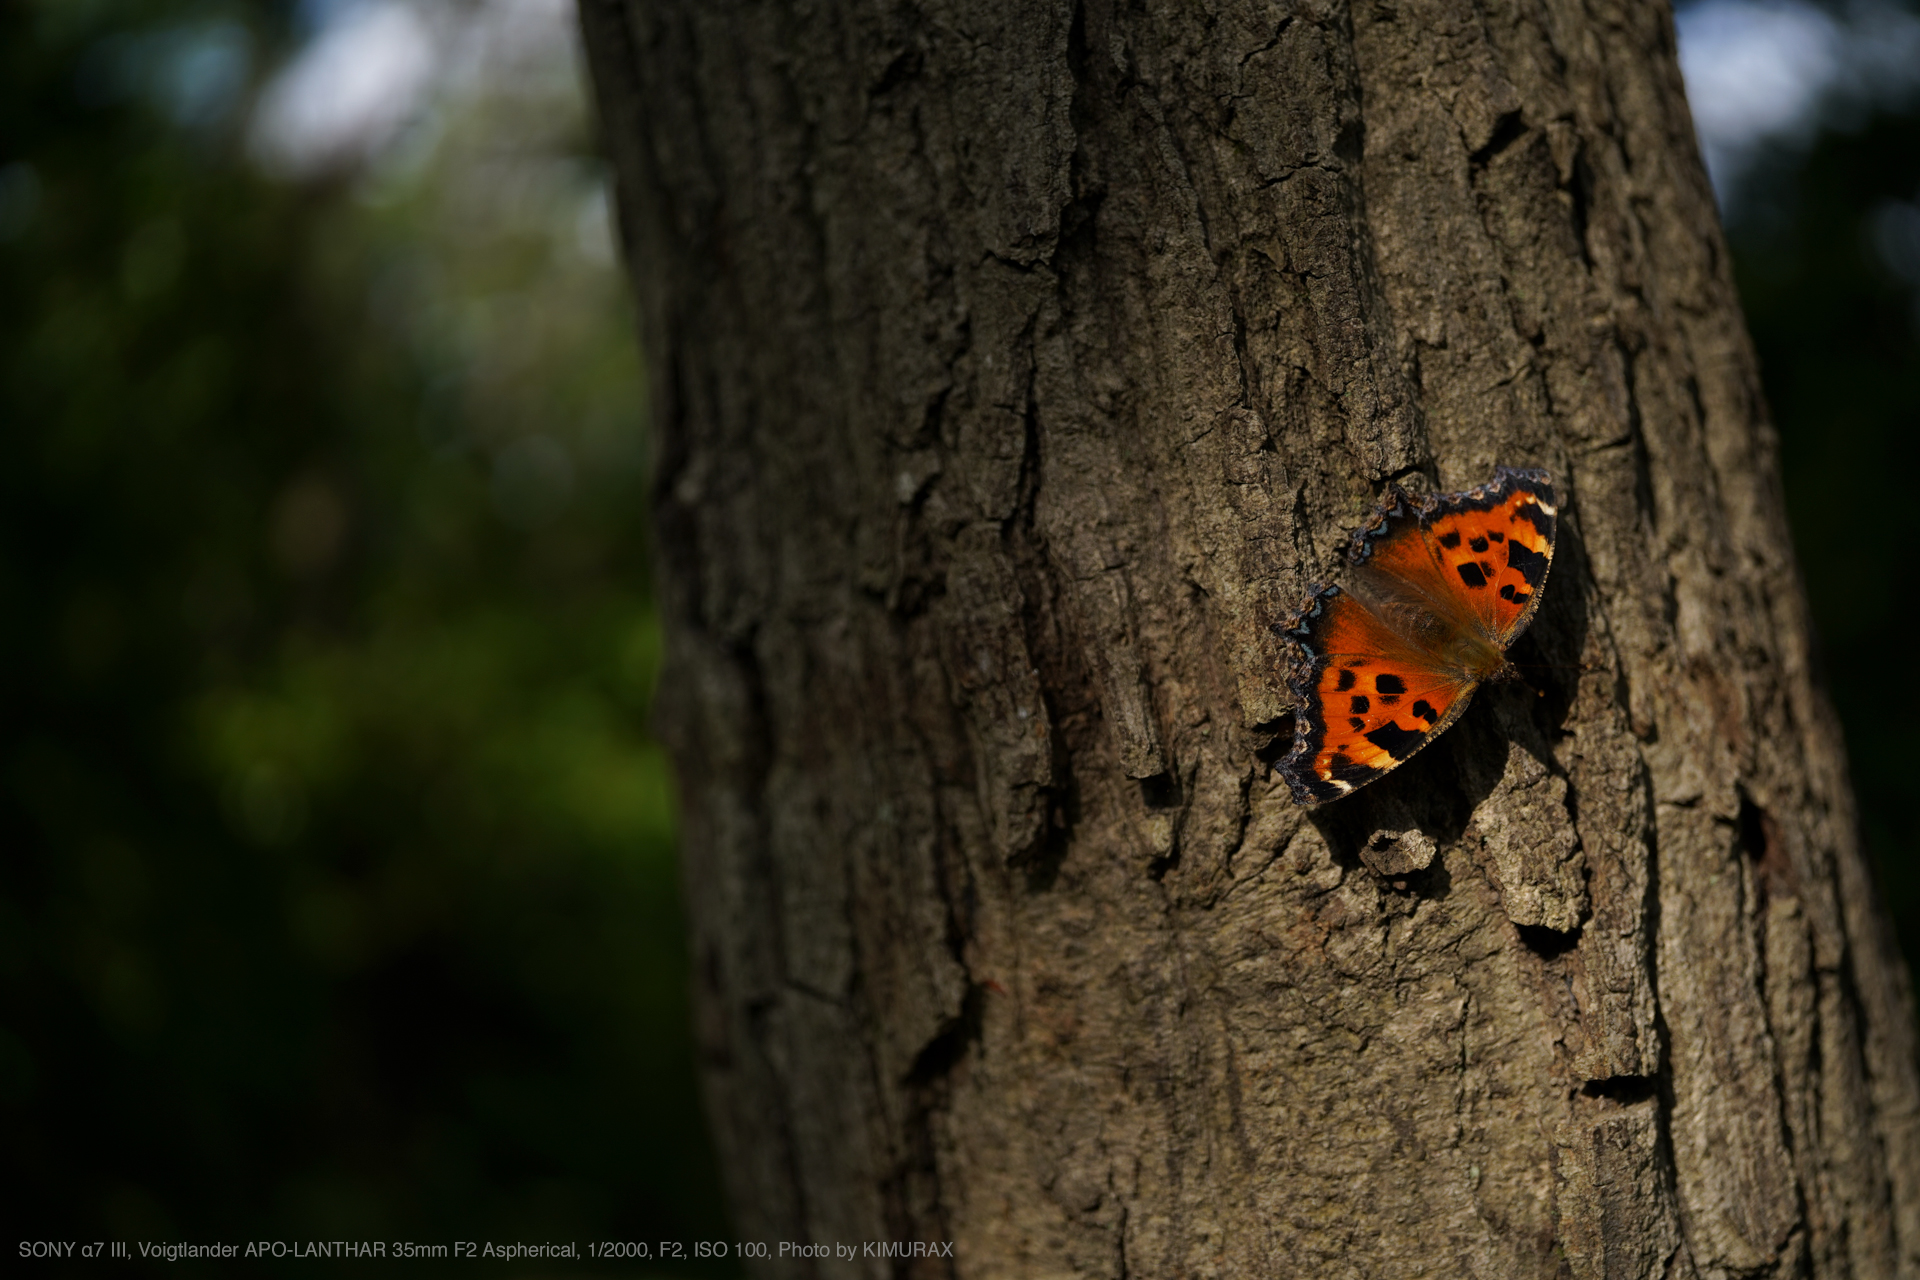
(1401,564)
(1496,545)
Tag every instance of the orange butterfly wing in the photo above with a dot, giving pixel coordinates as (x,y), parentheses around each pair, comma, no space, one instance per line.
(1444,585)
(1499,553)
(1366,700)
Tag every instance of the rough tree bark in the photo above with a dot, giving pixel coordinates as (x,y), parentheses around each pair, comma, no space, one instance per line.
(1017,364)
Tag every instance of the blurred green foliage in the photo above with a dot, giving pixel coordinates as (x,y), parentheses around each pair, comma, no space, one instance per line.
(1826,245)
(337,897)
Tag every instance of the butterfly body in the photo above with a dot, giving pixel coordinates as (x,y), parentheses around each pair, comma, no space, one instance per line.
(1436,588)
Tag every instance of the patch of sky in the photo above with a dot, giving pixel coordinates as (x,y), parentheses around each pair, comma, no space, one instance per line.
(362,76)
(370,76)
(1768,73)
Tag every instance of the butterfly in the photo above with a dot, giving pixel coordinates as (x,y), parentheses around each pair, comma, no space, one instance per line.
(1436,588)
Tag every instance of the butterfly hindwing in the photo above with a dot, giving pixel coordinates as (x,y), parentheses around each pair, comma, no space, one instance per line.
(1365,703)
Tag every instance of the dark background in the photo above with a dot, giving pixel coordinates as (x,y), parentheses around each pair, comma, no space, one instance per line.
(337,883)
(1826,247)
(337,893)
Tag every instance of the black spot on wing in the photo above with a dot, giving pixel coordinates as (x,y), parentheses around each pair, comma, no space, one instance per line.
(1450,539)
(1496,536)
(1389,684)
(1425,711)
(1531,564)
(1471,575)
(1395,741)
(1533,515)
(1509,594)
(1360,704)
(1479,545)
(1355,722)
(1344,681)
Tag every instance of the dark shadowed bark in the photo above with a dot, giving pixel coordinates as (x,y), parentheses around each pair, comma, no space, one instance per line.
(1017,365)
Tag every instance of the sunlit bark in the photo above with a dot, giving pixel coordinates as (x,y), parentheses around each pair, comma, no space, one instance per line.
(1016,366)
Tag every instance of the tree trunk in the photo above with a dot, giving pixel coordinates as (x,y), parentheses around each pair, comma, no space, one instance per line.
(1016,367)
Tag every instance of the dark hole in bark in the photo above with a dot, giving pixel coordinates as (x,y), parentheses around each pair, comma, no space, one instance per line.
(1432,882)
(1622,1089)
(1276,747)
(940,1054)
(1042,861)
(1506,131)
(1758,836)
(1161,791)
(1752,825)
(1548,943)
